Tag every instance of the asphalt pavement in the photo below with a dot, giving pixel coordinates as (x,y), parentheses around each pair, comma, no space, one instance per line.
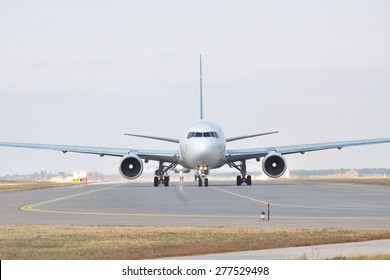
(292,204)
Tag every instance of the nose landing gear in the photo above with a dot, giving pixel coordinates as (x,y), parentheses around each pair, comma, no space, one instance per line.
(202,178)
(201,181)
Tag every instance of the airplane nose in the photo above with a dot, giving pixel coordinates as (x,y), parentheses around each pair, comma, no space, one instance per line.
(205,154)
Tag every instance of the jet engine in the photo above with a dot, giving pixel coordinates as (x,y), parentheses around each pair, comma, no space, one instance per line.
(274,165)
(131,167)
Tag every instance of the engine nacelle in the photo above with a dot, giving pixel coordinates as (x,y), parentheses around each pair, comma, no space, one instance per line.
(274,165)
(131,167)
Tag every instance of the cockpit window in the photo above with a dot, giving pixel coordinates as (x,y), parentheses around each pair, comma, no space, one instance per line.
(202,134)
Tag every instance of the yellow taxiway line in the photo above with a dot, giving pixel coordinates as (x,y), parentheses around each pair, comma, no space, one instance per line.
(288,205)
(32,207)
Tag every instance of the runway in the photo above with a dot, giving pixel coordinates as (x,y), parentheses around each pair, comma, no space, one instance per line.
(293,204)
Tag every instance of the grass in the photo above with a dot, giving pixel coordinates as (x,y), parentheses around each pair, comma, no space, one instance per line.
(366,181)
(116,243)
(13,186)
(374,257)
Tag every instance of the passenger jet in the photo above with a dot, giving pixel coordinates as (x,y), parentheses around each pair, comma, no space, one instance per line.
(201,147)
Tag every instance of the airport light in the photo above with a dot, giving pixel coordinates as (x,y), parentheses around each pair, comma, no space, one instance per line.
(262,215)
(269,212)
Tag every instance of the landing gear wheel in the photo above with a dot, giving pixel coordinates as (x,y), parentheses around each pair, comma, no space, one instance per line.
(156,181)
(249,180)
(239,180)
(200,182)
(206,182)
(166,181)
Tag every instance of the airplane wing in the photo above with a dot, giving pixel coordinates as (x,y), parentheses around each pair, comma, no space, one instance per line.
(245,154)
(167,156)
(249,136)
(154,137)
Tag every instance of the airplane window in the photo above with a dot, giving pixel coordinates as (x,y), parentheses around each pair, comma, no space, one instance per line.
(202,134)
(190,135)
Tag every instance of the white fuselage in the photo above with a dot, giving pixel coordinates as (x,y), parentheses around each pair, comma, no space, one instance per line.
(203,144)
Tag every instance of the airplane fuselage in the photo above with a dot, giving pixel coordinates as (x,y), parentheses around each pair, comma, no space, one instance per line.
(202,145)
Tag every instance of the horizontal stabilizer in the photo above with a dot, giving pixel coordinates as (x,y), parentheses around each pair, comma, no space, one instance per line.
(249,136)
(154,137)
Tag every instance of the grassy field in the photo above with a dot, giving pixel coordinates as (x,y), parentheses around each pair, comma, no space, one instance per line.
(375,257)
(13,186)
(367,181)
(77,242)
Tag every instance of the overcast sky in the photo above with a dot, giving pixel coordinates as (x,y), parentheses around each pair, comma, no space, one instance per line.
(84,72)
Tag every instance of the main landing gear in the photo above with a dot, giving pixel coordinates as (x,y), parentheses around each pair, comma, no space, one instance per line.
(244,178)
(162,174)
(247,180)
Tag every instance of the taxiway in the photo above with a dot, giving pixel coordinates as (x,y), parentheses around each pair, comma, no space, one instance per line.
(293,204)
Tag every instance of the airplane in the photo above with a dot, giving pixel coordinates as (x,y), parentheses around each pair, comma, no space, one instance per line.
(201,147)
(180,169)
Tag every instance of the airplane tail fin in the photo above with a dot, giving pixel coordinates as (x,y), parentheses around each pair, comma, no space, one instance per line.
(201,89)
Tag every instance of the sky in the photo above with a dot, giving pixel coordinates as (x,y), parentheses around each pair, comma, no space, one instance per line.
(85,72)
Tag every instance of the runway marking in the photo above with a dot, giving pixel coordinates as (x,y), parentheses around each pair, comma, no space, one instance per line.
(207,216)
(240,195)
(292,205)
(32,208)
